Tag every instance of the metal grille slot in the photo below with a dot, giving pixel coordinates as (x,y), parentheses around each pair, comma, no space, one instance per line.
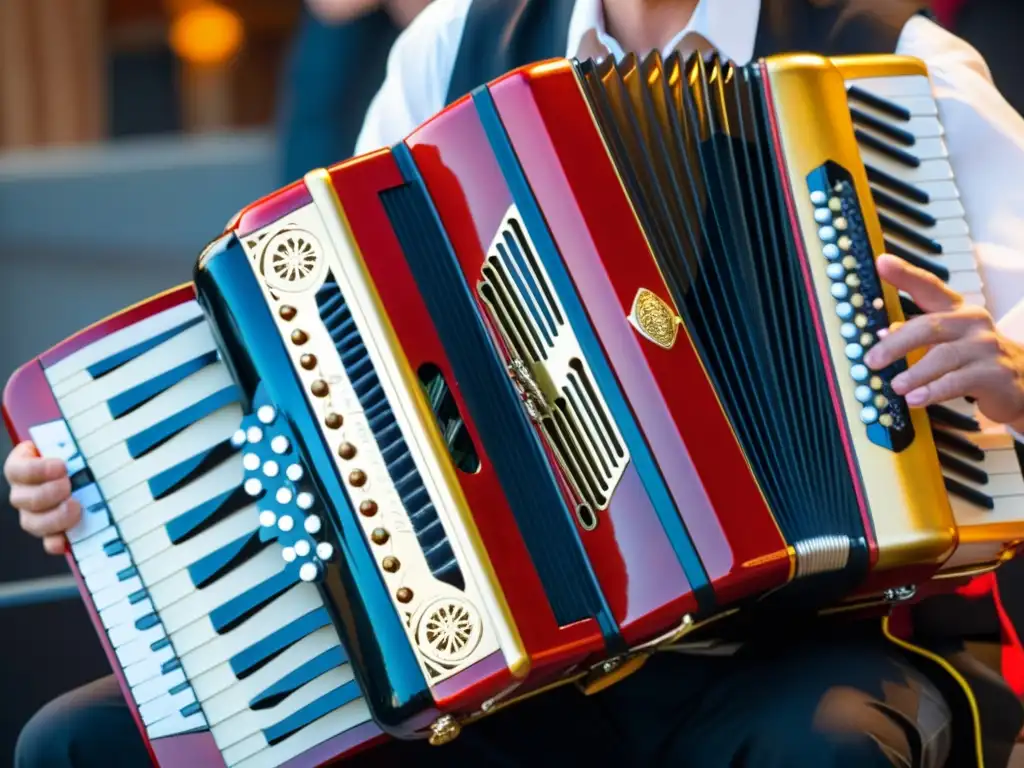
(575,419)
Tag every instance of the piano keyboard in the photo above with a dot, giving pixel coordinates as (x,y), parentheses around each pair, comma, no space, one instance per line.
(898,128)
(214,629)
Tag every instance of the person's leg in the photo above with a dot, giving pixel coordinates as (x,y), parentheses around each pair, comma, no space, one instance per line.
(88,727)
(830,703)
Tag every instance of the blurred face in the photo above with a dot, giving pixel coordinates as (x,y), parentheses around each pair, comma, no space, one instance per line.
(339,11)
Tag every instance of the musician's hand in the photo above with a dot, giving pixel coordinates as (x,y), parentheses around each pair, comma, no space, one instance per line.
(41,492)
(967,355)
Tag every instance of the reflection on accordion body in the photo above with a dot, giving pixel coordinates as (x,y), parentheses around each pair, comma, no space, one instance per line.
(572,373)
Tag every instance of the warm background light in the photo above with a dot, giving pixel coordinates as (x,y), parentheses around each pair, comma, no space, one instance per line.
(207,34)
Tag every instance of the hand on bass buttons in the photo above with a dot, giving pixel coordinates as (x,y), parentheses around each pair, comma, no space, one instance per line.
(41,492)
(966,354)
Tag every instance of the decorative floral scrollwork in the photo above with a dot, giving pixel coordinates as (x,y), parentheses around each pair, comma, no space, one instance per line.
(293,261)
(448,631)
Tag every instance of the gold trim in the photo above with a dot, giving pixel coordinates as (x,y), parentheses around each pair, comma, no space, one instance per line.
(878,65)
(509,640)
(905,492)
(936,659)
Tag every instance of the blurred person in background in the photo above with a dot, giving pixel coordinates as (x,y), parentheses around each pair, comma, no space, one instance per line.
(337,64)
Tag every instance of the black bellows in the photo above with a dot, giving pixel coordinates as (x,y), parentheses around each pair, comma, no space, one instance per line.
(692,142)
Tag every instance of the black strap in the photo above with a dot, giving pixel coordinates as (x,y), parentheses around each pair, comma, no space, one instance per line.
(501,35)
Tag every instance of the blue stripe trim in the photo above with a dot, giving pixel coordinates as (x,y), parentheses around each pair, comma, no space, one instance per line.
(604,617)
(548,253)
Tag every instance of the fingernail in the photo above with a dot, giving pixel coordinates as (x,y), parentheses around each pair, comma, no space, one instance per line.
(899,383)
(917,397)
(871,358)
(882,333)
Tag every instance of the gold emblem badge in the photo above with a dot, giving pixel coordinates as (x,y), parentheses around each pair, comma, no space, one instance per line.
(654,319)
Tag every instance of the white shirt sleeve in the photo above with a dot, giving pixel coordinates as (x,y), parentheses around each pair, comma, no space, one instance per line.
(418,74)
(985,140)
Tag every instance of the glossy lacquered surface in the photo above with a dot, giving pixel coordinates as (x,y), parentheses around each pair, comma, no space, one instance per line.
(27,402)
(388,673)
(639,574)
(358,184)
(606,252)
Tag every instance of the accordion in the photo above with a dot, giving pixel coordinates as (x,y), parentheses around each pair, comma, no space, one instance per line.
(567,376)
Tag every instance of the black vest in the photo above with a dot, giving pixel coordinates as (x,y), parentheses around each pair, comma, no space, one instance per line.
(501,35)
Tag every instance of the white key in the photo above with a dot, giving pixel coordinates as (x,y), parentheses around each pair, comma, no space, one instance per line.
(95,516)
(939,190)
(53,440)
(202,649)
(88,548)
(892,87)
(157,687)
(927,171)
(178,610)
(165,705)
(107,576)
(75,396)
(123,634)
(135,651)
(229,702)
(937,209)
(123,339)
(200,436)
(967,281)
(93,563)
(350,716)
(156,558)
(115,593)
(139,647)
(149,667)
(943,228)
(248,721)
(96,430)
(176,723)
(136,513)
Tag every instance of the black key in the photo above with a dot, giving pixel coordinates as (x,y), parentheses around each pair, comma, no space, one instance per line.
(142,393)
(918,261)
(959,444)
(909,233)
(116,360)
(152,437)
(877,102)
(899,186)
(965,492)
(312,712)
(951,418)
(971,472)
(906,138)
(198,519)
(897,154)
(173,478)
(238,609)
(221,561)
(312,669)
(244,663)
(890,202)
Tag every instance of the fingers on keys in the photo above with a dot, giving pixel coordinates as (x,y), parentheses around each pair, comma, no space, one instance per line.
(928,291)
(24,466)
(62,517)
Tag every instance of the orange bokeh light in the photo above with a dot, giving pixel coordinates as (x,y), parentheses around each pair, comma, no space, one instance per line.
(207,33)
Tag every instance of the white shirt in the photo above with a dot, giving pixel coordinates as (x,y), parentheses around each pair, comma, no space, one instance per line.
(984,135)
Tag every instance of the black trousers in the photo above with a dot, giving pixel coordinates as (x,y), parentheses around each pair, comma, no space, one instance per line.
(848,699)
